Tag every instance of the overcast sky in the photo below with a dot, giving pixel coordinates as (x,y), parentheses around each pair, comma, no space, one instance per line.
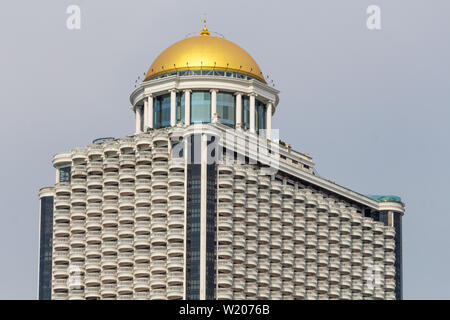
(371,107)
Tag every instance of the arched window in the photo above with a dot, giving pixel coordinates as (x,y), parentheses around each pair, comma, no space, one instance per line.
(226,108)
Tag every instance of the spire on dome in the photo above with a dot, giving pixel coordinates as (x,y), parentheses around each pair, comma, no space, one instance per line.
(205,31)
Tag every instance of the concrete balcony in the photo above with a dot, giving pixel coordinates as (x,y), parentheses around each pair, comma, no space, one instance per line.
(175,234)
(264,182)
(238,284)
(378,241)
(142,227)
(143,171)
(299,292)
(125,258)
(61,230)
(143,284)
(224,294)
(240,186)
(126,189)
(142,295)
(311,282)
(225,251)
(345,268)
(389,258)
(161,153)
(156,281)
(93,265)
(176,193)
(64,188)
(126,144)
(225,266)
(311,215)
(143,185)
(275,241)
(143,157)
(238,241)
(141,213)
(158,253)
(225,181)
(251,289)
(225,208)
(389,272)
(275,200)
(239,270)
(158,210)
(356,246)
(275,214)
(175,292)
(60,271)
(60,285)
(142,199)
(125,287)
(110,206)
(263,197)
(159,266)
(124,273)
(389,246)
(225,237)
(62,202)
(389,233)
(176,178)
(252,204)
(299,209)
(175,278)
(239,200)
(61,243)
(158,238)
(275,269)
(95,167)
(108,276)
(175,263)
(176,206)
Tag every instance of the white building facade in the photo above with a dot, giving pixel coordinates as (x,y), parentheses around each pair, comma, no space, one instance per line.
(204,202)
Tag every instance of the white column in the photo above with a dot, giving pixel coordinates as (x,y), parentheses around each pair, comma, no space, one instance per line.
(213,103)
(238,110)
(187,107)
(269,120)
(150,111)
(203,214)
(145,114)
(252,112)
(173,107)
(138,119)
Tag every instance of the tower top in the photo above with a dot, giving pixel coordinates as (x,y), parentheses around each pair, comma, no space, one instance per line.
(205,31)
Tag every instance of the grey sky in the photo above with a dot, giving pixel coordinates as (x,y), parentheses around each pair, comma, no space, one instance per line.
(371,107)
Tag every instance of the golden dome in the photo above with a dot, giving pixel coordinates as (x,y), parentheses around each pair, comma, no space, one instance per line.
(205,52)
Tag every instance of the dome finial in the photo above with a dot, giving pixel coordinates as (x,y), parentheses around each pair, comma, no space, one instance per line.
(205,31)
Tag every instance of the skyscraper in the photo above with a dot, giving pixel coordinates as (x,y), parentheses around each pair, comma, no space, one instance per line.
(204,201)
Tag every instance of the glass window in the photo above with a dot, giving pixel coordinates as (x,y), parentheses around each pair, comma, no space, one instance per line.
(180,107)
(200,107)
(246,112)
(161,111)
(226,108)
(260,114)
(64,174)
